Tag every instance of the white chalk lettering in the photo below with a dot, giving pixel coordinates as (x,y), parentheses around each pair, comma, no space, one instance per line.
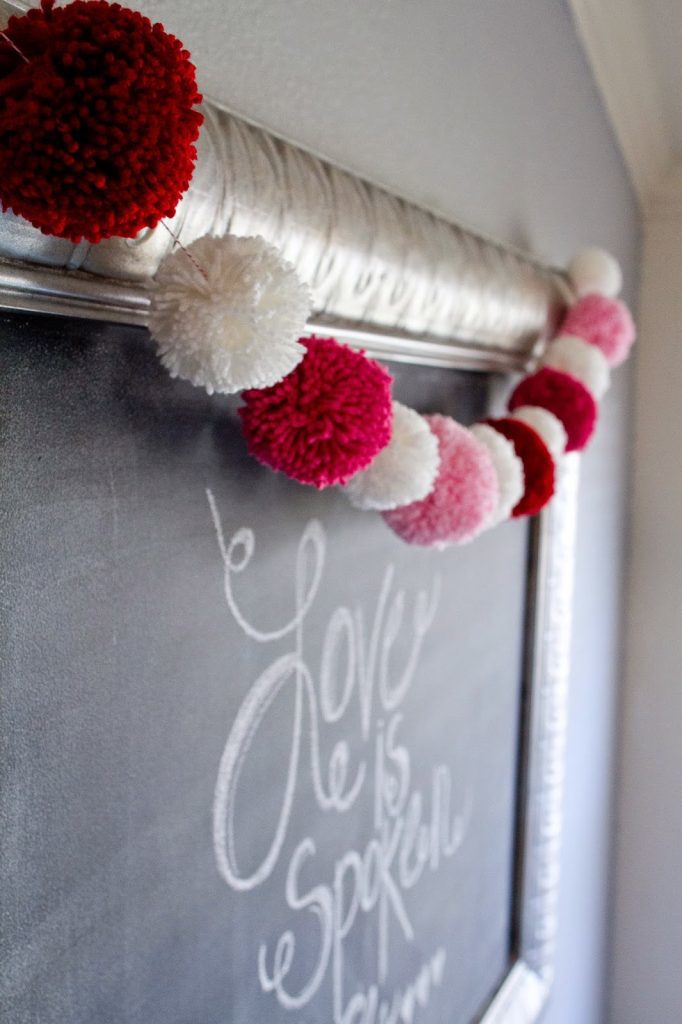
(367,668)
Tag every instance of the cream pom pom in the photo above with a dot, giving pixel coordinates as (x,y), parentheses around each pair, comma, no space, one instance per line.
(594,271)
(547,425)
(508,467)
(403,472)
(582,360)
(227,314)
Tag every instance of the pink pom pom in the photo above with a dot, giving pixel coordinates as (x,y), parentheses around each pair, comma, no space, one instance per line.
(603,322)
(464,497)
(563,395)
(326,420)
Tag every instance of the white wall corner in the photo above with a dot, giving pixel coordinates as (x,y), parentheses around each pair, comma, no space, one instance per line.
(618,48)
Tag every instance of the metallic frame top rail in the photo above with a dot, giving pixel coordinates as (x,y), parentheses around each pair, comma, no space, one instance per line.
(409,284)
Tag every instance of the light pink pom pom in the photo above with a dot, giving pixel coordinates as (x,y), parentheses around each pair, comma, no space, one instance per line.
(603,322)
(464,497)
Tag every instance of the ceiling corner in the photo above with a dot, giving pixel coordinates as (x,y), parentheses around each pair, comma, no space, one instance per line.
(617,45)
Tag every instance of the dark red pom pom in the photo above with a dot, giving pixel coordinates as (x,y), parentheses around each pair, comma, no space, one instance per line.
(538,464)
(326,420)
(563,395)
(97,124)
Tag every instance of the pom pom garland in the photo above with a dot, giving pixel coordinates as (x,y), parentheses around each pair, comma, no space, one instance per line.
(538,465)
(544,423)
(227,314)
(508,467)
(97,120)
(581,360)
(595,271)
(404,472)
(603,322)
(464,497)
(563,395)
(326,420)
(330,419)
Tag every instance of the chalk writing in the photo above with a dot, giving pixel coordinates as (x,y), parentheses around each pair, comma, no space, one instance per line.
(414,830)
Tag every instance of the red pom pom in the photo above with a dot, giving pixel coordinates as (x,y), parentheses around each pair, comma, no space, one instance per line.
(326,420)
(464,496)
(538,464)
(97,124)
(566,397)
(606,323)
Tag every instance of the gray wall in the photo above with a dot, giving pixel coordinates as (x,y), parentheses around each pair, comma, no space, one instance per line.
(647,981)
(485,110)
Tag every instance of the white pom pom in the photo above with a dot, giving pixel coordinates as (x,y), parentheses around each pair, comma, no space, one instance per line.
(508,466)
(547,425)
(229,317)
(405,471)
(594,270)
(584,361)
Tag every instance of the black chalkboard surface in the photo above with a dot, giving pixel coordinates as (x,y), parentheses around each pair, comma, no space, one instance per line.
(258,756)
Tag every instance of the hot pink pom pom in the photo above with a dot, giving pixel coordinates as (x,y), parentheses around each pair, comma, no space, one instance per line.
(464,497)
(326,420)
(566,397)
(604,322)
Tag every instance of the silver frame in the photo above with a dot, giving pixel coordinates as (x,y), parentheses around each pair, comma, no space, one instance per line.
(404,285)
(527,987)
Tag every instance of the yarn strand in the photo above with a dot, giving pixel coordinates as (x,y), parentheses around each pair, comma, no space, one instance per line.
(188,254)
(14,47)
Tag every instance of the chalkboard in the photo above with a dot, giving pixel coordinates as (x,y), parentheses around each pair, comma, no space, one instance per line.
(259,757)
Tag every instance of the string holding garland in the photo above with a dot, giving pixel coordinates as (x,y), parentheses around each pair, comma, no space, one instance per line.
(98,123)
